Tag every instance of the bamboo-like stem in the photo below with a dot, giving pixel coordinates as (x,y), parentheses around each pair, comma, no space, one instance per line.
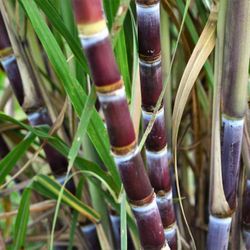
(218,232)
(232,77)
(27,93)
(216,186)
(110,90)
(148,17)
(234,93)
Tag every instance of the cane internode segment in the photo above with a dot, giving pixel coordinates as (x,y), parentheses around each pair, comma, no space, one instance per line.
(164,202)
(8,61)
(11,69)
(156,140)
(151,84)
(155,161)
(134,177)
(231,151)
(98,48)
(218,231)
(148,31)
(148,18)
(112,97)
(120,127)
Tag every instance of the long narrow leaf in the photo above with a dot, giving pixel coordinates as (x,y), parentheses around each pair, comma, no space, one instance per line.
(122,60)
(51,188)
(22,220)
(124,235)
(96,129)
(119,19)
(10,160)
(82,127)
(89,168)
(75,216)
(56,20)
(198,58)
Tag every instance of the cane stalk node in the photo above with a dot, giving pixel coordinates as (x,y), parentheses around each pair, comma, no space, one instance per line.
(88,29)
(144,201)
(147,3)
(109,87)
(150,59)
(125,149)
(6,52)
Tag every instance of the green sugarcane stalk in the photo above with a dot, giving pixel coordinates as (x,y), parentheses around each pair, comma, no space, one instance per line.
(234,93)
(148,18)
(111,94)
(233,80)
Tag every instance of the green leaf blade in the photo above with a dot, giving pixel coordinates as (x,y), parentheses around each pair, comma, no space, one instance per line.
(51,188)
(22,220)
(9,161)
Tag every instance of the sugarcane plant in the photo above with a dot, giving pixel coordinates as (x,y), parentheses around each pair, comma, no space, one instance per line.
(111,93)
(233,77)
(123,124)
(148,18)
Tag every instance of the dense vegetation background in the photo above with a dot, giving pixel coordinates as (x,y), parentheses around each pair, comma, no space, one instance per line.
(54,136)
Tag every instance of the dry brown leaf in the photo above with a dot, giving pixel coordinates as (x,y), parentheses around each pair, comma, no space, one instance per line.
(135,106)
(217,199)
(102,237)
(198,58)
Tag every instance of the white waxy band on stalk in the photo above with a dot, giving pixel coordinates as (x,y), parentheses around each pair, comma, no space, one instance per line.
(157,154)
(170,232)
(150,64)
(148,115)
(7,60)
(123,158)
(220,221)
(36,114)
(162,199)
(231,122)
(112,96)
(90,40)
(218,232)
(147,9)
(149,207)
(33,116)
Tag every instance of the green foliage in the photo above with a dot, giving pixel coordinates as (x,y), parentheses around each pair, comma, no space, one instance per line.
(50,188)
(75,215)
(96,130)
(124,236)
(9,161)
(22,220)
